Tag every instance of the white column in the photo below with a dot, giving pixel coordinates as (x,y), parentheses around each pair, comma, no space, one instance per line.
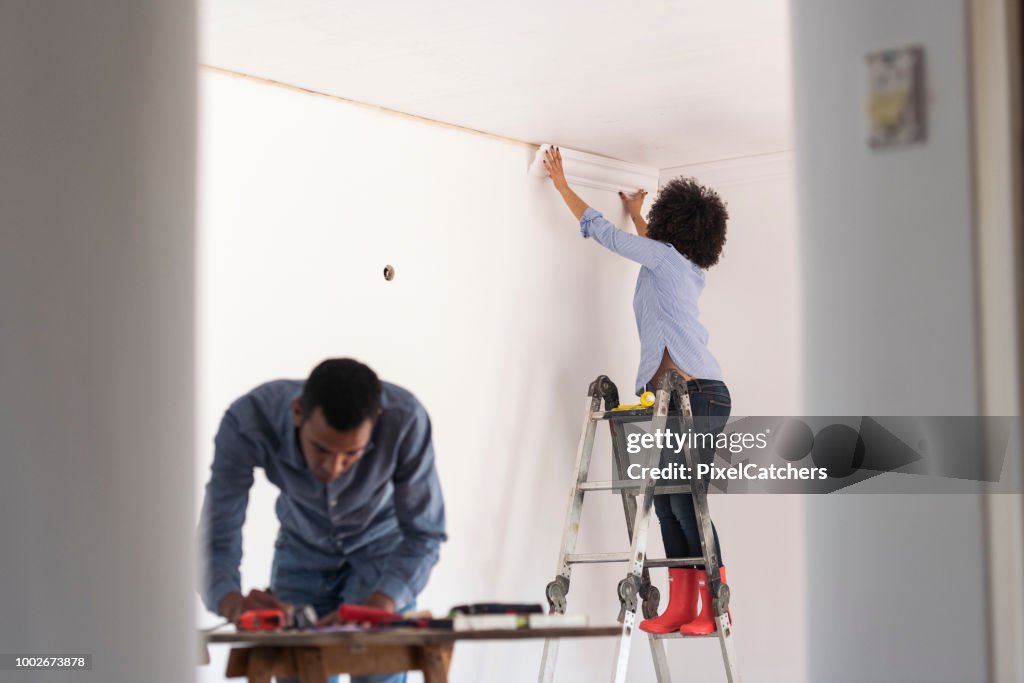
(896,583)
(96,335)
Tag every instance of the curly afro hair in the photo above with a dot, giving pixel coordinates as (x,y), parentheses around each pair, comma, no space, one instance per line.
(690,217)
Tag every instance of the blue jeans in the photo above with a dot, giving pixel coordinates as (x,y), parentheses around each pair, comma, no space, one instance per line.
(292,582)
(711,404)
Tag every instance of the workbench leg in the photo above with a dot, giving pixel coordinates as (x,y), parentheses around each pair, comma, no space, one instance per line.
(261,664)
(434,662)
(310,664)
(238,662)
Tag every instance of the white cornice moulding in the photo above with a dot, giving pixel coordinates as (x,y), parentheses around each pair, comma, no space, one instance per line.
(756,168)
(599,172)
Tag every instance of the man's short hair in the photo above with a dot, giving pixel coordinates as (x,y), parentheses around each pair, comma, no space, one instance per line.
(347,392)
(691,217)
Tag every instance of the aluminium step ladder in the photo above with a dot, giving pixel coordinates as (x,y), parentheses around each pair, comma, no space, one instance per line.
(636,586)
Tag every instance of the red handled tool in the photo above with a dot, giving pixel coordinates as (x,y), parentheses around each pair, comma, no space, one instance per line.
(262,620)
(363,615)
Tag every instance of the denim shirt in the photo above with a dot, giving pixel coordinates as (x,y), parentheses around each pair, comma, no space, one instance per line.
(665,301)
(384,516)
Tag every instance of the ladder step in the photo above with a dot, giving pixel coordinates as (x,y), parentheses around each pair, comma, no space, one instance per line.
(623,416)
(590,558)
(631,485)
(628,415)
(594,558)
(674,562)
(677,634)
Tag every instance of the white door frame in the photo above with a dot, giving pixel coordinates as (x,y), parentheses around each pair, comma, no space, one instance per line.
(996,55)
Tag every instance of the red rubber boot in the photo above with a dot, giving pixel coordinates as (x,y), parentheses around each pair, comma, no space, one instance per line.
(682,602)
(704,623)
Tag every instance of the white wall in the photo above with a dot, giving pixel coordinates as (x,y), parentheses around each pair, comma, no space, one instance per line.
(498,318)
(895,583)
(96,351)
(751,305)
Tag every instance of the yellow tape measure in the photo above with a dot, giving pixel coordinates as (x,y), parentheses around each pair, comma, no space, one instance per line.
(646,401)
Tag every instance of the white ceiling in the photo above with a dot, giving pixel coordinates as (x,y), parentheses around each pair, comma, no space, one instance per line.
(656,82)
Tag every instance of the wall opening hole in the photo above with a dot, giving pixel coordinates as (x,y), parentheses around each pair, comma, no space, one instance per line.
(389,272)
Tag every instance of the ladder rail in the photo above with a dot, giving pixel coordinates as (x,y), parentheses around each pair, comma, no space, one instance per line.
(584,452)
(557,589)
(628,493)
(629,588)
(712,569)
(661,670)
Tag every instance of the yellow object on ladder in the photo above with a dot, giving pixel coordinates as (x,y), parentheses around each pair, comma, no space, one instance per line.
(646,401)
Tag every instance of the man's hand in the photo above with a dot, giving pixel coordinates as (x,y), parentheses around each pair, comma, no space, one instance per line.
(381,601)
(377,600)
(233,605)
(329,619)
(553,165)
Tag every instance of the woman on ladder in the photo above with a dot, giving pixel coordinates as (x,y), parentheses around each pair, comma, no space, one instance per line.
(684,238)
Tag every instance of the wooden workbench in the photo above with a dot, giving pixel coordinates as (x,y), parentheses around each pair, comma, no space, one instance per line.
(313,656)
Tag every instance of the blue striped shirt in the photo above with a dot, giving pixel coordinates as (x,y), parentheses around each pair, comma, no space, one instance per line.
(665,301)
(384,517)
